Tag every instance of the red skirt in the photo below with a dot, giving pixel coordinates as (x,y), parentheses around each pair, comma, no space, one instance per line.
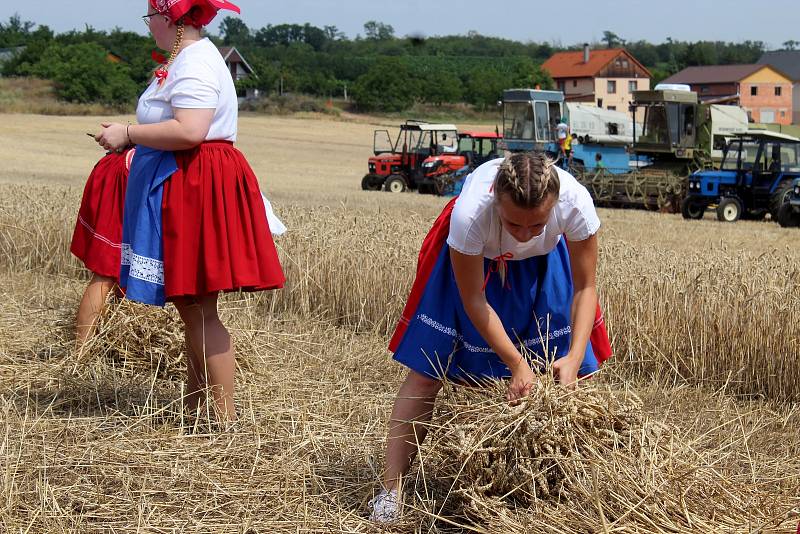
(97,238)
(215,231)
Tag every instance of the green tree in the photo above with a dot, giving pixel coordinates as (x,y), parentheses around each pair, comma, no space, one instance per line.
(387,86)
(378,31)
(611,39)
(83,73)
(234,32)
(440,86)
(15,32)
(484,87)
(791,44)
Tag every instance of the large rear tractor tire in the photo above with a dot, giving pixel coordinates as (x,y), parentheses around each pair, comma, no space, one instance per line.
(691,209)
(779,198)
(729,209)
(371,182)
(788,216)
(395,183)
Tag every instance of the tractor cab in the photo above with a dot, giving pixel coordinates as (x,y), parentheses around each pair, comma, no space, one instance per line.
(530,117)
(669,122)
(397,165)
(440,172)
(755,178)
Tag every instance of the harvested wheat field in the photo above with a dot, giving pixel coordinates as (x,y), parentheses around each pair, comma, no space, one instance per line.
(694,426)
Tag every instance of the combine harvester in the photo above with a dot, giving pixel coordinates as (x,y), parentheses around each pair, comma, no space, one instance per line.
(643,165)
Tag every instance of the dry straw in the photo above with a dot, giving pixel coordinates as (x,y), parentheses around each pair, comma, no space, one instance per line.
(582,460)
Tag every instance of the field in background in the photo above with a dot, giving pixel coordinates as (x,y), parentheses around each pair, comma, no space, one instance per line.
(702,317)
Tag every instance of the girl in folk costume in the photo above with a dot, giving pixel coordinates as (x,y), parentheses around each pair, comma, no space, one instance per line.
(195,222)
(509,265)
(97,239)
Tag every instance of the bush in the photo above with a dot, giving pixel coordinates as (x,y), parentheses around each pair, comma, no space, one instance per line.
(83,73)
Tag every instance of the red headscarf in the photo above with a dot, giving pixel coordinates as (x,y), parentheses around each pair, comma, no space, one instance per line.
(205,12)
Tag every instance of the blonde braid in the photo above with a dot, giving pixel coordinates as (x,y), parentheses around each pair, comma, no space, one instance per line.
(528,178)
(176,48)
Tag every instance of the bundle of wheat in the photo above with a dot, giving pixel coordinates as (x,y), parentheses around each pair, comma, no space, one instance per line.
(133,339)
(588,457)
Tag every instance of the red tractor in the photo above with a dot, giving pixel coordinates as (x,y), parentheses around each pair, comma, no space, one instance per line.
(397,166)
(441,172)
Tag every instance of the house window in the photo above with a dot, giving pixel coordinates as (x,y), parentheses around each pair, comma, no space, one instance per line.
(704,89)
(599,102)
(778,91)
(574,83)
(625,64)
(754,90)
(632,86)
(612,87)
(612,108)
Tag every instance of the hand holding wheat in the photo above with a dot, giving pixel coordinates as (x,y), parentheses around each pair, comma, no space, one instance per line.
(522,379)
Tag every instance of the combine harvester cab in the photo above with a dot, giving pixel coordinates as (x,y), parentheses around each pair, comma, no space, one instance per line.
(443,173)
(530,117)
(757,176)
(397,166)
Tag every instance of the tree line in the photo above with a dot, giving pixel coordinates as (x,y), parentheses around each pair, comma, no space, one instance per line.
(378,71)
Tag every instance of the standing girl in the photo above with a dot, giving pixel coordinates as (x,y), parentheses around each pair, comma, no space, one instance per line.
(195,223)
(496,276)
(97,239)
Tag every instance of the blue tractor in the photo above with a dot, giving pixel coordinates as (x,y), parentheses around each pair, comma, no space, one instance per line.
(755,178)
(789,214)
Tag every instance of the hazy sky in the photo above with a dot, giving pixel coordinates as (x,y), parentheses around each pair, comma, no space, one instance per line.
(560,21)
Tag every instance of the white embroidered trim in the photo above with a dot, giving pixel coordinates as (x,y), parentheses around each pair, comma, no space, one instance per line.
(143,268)
(528,343)
(97,236)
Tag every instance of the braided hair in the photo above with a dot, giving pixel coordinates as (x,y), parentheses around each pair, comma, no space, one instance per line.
(528,179)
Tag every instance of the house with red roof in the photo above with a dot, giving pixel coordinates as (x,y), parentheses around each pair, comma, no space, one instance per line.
(605,78)
(762,90)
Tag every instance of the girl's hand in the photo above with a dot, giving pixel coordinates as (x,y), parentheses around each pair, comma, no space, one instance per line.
(566,369)
(113,136)
(521,381)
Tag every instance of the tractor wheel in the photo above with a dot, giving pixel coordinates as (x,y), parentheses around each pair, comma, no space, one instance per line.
(788,216)
(729,209)
(371,182)
(691,209)
(779,197)
(395,183)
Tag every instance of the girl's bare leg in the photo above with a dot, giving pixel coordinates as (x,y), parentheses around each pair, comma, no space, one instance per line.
(92,304)
(413,405)
(195,383)
(212,348)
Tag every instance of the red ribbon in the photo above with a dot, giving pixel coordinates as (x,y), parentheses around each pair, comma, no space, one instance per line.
(161,72)
(495,267)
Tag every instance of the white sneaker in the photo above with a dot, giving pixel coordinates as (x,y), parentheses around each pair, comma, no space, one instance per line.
(385,507)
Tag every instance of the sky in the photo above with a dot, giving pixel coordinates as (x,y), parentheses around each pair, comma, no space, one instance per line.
(562,22)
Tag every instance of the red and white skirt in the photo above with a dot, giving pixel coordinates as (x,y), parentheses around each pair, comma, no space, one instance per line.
(97,238)
(215,231)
